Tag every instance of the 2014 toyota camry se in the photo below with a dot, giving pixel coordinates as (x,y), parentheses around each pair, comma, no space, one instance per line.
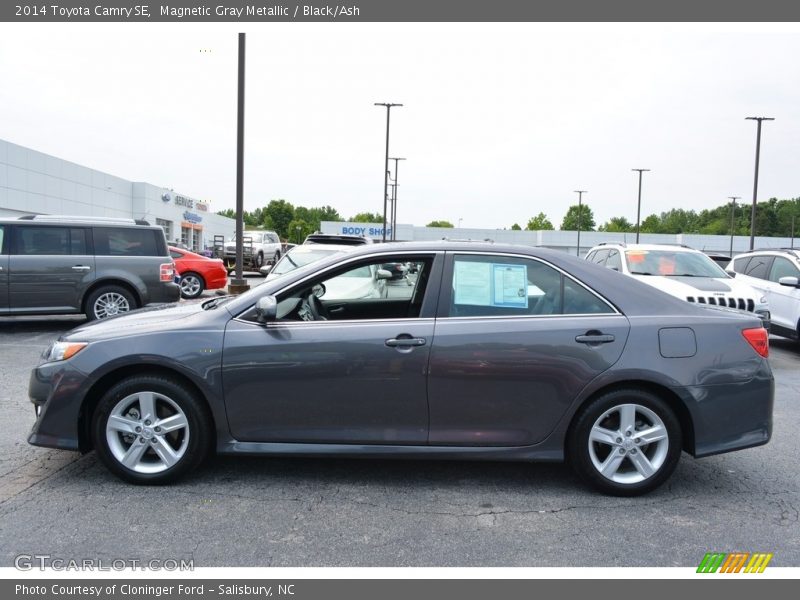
(493,352)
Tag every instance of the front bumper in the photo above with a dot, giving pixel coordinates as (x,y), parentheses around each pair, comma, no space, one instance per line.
(56,391)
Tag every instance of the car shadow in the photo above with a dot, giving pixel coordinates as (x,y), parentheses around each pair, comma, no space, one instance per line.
(38,324)
(787,345)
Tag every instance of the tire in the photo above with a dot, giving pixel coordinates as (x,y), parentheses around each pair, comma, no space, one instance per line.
(604,436)
(109,301)
(276,257)
(192,285)
(259,261)
(151,457)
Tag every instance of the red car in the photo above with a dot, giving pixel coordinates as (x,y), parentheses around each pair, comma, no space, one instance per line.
(197,273)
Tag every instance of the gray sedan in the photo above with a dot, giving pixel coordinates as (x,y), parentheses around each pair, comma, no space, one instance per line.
(493,353)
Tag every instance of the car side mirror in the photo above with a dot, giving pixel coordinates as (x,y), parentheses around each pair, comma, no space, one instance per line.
(789,281)
(266,309)
(383,274)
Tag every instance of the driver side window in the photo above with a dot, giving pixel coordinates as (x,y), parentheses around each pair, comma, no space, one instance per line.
(388,287)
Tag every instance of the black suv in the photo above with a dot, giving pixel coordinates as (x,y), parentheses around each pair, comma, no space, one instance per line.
(68,265)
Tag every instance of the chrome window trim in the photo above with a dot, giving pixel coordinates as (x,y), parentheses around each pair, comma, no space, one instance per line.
(552,266)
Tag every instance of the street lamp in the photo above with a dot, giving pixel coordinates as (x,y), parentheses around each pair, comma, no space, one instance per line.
(459,222)
(394,198)
(733,200)
(388,106)
(755,178)
(580,214)
(639,203)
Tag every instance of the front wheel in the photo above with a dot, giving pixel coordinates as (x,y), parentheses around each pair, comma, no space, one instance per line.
(625,443)
(151,430)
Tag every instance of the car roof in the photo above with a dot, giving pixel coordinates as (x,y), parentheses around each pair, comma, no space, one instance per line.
(626,247)
(795,252)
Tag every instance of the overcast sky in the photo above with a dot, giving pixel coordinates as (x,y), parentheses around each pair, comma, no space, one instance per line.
(500,121)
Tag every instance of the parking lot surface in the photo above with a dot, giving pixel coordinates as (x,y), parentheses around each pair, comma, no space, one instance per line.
(315,512)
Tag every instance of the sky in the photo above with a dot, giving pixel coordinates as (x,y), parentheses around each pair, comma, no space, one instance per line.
(500,121)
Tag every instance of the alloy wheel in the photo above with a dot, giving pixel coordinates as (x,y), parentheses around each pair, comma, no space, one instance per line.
(110,304)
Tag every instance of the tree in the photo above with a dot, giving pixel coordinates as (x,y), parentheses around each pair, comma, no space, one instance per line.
(439,224)
(228,212)
(298,230)
(539,222)
(278,214)
(516,227)
(570,222)
(366,217)
(617,224)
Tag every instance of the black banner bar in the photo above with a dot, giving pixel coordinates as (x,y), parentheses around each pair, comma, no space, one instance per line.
(365,11)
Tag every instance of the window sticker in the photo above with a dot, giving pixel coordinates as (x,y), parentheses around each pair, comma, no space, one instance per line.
(492,284)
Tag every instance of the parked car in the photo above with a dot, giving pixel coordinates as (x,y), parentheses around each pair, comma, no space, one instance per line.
(196,273)
(101,267)
(682,272)
(775,273)
(258,249)
(397,270)
(500,353)
(340,240)
(722,260)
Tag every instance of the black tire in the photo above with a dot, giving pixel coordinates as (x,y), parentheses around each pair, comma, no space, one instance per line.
(193,443)
(108,301)
(276,257)
(628,471)
(259,261)
(192,285)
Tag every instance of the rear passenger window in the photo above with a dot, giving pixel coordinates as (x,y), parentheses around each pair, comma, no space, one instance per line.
(52,241)
(125,241)
(614,261)
(740,264)
(758,267)
(600,257)
(511,286)
(782,268)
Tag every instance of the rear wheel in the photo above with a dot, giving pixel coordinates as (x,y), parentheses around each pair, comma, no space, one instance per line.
(625,443)
(151,430)
(192,285)
(109,301)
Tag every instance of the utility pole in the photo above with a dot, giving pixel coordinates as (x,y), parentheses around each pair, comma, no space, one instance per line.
(755,178)
(580,215)
(388,106)
(238,284)
(394,199)
(733,211)
(639,203)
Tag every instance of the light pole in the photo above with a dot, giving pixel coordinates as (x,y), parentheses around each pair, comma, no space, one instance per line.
(580,214)
(459,222)
(755,178)
(733,200)
(388,106)
(394,198)
(639,203)
(238,284)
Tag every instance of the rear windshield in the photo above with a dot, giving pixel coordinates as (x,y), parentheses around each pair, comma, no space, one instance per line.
(668,263)
(299,257)
(128,241)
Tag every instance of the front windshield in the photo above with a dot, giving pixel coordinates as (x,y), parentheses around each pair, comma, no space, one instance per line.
(672,263)
(299,257)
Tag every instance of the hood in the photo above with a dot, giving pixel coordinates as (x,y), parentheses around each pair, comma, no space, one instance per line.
(705,287)
(151,318)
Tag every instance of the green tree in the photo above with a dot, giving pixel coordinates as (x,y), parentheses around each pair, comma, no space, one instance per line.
(516,227)
(298,230)
(278,214)
(570,222)
(617,225)
(228,212)
(366,217)
(538,223)
(439,224)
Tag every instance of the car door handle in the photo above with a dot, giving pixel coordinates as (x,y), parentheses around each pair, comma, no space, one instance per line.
(81,268)
(595,338)
(405,342)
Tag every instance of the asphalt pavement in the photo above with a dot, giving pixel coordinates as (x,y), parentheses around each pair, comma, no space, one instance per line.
(328,512)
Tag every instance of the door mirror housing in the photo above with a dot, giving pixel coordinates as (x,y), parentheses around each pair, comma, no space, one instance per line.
(266,309)
(789,281)
(383,274)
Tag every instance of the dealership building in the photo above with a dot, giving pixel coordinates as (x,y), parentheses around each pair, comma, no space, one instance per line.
(34,183)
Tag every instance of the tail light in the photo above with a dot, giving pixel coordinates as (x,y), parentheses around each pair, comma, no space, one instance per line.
(758,338)
(167,271)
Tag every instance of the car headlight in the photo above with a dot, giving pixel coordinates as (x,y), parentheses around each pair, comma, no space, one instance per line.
(63,350)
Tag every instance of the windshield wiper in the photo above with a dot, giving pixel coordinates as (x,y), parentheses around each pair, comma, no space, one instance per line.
(640,273)
(215,302)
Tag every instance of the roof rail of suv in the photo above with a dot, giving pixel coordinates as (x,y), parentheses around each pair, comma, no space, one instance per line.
(623,244)
(784,249)
(73,219)
(484,240)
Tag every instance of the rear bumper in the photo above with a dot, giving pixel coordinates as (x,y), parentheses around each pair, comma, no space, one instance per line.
(732,416)
(166,292)
(216,279)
